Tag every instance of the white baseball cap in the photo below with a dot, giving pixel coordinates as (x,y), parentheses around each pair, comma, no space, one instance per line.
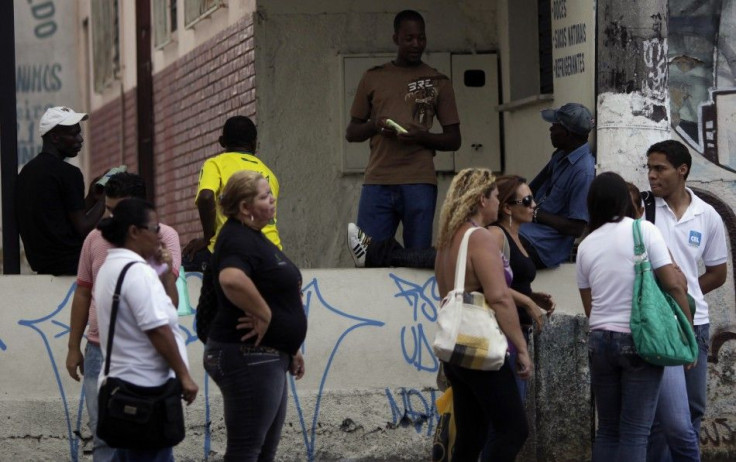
(59,115)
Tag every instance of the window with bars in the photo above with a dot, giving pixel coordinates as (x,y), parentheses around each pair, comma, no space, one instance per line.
(105,43)
(194,10)
(164,21)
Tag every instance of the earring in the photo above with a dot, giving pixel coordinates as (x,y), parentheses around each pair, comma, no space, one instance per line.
(251,217)
(510,221)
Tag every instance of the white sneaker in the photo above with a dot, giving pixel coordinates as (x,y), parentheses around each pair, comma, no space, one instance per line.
(358,243)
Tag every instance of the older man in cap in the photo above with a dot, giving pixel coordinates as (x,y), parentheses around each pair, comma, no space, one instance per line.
(561,188)
(53,214)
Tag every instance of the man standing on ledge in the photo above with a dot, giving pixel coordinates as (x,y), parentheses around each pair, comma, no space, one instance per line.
(54,217)
(561,188)
(400,181)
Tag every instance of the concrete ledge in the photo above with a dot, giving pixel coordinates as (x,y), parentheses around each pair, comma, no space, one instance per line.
(369,390)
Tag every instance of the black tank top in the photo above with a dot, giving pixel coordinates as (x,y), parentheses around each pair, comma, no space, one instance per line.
(524,273)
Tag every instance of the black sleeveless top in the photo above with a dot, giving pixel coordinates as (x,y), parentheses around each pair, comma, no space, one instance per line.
(524,273)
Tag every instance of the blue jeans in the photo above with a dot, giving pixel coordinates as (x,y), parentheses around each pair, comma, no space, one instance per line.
(382,207)
(101,452)
(673,436)
(252,381)
(625,388)
(135,455)
(696,378)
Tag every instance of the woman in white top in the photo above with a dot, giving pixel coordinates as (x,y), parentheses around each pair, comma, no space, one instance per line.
(147,348)
(625,386)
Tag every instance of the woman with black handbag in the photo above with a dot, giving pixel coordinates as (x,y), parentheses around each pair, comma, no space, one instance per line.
(259,290)
(481,397)
(146,371)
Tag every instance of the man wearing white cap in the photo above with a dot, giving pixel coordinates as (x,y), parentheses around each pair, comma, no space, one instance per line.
(561,188)
(53,215)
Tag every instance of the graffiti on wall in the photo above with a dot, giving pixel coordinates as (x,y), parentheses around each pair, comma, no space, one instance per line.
(404,407)
(702,76)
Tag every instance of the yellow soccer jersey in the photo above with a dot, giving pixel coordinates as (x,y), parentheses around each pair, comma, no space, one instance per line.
(214,175)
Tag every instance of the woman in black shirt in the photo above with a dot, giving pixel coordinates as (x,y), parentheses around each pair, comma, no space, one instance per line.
(517,206)
(259,289)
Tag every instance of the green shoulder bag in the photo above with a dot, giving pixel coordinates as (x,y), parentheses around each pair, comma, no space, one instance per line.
(662,333)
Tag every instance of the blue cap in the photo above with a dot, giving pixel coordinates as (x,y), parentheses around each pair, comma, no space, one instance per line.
(573,116)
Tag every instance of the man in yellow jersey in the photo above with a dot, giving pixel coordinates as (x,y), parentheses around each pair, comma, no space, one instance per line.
(239,142)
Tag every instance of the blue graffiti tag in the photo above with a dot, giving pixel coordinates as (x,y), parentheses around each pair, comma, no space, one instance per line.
(314,300)
(423,299)
(187,310)
(417,412)
(38,326)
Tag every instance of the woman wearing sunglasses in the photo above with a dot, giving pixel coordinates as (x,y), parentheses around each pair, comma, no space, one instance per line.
(517,207)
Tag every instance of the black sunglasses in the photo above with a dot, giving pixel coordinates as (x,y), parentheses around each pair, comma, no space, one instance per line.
(525,201)
(152,228)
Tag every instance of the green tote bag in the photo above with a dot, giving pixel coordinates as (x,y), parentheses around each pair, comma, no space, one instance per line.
(662,333)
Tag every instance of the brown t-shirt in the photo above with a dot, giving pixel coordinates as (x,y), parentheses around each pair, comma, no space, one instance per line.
(412,97)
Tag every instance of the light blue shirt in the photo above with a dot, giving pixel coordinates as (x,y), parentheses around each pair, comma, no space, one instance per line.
(561,188)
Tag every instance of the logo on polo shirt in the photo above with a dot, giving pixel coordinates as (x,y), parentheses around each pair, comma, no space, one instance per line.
(695,238)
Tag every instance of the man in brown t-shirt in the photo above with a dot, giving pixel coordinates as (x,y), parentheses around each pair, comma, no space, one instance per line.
(400,180)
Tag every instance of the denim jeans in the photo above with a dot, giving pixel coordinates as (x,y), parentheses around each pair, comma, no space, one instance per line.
(253,385)
(155,455)
(625,388)
(481,399)
(696,378)
(382,207)
(673,436)
(101,452)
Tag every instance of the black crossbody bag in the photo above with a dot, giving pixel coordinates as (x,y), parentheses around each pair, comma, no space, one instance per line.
(135,417)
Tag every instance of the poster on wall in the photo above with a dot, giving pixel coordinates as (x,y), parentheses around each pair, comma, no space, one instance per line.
(46,57)
(702,76)
(573,51)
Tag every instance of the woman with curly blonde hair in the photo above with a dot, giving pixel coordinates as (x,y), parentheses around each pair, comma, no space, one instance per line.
(472,201)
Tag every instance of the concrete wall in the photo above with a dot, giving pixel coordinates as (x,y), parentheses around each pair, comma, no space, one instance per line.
(369,388)
(209,72)
(301,128)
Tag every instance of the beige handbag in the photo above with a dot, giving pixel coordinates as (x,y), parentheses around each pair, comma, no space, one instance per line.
(468,334)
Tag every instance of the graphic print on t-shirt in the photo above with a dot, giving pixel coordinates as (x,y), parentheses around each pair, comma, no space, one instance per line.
(695,238)
(422,93)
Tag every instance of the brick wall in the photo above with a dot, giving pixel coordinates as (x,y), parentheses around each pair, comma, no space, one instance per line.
(192,99)
(112,136)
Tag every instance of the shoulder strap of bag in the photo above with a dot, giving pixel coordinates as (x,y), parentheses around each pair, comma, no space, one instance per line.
(649,207)
(462,258)
(638,244)
(114,314)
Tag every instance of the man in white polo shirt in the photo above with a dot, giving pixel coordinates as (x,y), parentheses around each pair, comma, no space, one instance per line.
(694,232)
